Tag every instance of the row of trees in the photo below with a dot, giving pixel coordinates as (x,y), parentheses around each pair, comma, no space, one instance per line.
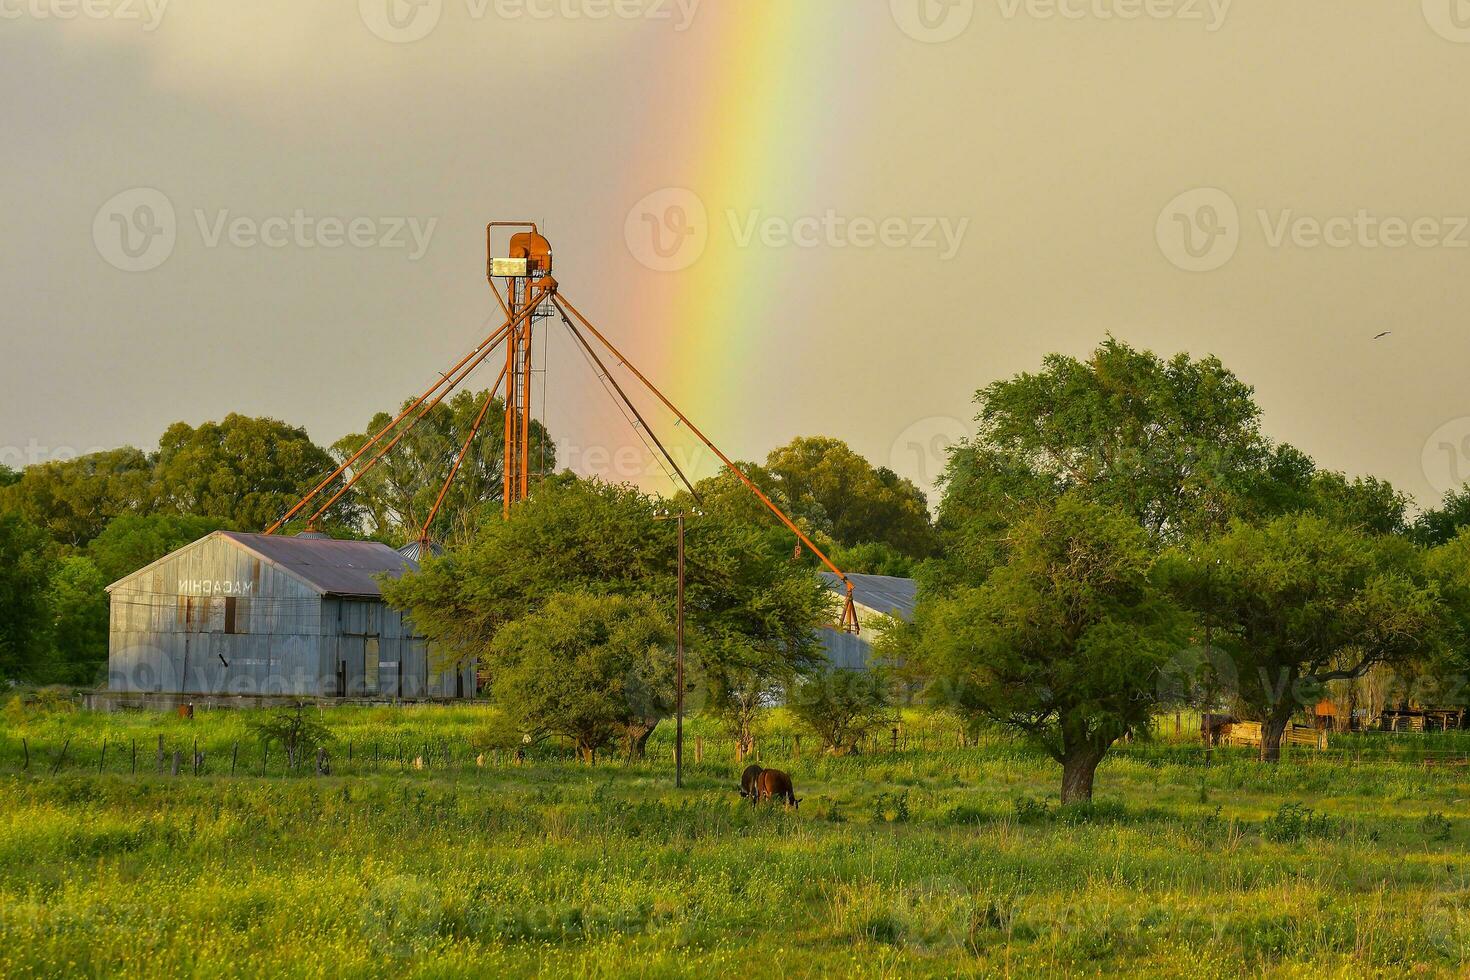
(70,527)
(1112,514)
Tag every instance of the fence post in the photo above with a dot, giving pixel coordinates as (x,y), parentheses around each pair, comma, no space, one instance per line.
(60,758)
(234,758)
(178,757)
(102,759)
(135,757)
(25,747)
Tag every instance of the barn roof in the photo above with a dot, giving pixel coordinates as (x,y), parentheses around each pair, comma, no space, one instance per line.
(881,593)
(347,569)
(332,567)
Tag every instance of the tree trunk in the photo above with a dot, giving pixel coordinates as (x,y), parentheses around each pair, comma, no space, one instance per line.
(636,736)
(1078,768)
(1272,730)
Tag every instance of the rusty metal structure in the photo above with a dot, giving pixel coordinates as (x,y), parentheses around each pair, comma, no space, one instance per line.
(531,296)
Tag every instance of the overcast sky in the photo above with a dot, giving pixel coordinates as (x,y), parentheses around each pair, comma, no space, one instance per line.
(853,213)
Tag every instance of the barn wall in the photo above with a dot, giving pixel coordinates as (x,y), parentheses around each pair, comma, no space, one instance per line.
(353,629)
(212,618)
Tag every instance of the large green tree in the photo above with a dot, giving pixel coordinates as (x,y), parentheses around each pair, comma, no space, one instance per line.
(397,494)
(1302,600)
(863,503)
(1064,640)
(26,564)
(73,500)
(589,667)
(133,541)
(78,604)
(747,609)
(244,472)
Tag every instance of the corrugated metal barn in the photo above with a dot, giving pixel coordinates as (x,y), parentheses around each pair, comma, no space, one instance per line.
(876,598)
(253,615)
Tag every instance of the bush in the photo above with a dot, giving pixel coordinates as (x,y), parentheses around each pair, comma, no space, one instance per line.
(299,734)
(1294,822)
(842,707)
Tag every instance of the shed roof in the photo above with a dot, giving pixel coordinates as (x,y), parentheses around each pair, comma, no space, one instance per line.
(346,569)
(332,567)
(882,593)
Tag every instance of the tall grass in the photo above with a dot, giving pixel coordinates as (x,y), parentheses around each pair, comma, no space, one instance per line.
(942,861)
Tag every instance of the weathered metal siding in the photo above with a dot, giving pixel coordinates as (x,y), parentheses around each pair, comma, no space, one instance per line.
(214,619)
(353,628)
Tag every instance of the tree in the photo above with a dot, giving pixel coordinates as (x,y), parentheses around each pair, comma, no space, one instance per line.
(1175,444)
(874,558)
(243,472)
(8,476)
(588,667)
(725,497)
(863,503)
(1065,638)
(397,494)
(747,609)
(26,564)
(73,500)
(1368,504)
(78,604)
(1303,600)
(133,541)
(1439,525)
(842,706)
(296,732)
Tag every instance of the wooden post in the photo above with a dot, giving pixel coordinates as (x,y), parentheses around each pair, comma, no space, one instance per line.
(265,754)
(102,759)
(135,757)
(25,747)
(196,755)
(178,757)
(234,758)
(60,758)
(698,748)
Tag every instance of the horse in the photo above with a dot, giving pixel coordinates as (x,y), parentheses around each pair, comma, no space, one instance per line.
(773,784)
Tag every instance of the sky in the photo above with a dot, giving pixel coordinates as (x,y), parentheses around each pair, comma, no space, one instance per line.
(836,217)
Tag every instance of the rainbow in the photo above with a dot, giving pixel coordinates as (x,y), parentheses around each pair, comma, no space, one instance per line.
(763,118)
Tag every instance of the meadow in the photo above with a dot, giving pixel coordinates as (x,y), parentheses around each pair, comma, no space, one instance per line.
(421,857)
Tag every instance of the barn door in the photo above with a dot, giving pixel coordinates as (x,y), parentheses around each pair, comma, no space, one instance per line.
(371,685)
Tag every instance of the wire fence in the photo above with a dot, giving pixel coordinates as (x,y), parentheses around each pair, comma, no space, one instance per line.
(173,756)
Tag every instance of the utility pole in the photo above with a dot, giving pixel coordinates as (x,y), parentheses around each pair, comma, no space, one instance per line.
(678,652)
(679,670)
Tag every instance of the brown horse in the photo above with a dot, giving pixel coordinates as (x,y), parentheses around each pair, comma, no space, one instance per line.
(747,781)
(773,784)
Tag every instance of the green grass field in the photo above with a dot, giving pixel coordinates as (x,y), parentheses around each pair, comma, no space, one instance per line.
(935,860)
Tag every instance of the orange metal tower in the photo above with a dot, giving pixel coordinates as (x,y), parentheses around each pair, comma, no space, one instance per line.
(531,296)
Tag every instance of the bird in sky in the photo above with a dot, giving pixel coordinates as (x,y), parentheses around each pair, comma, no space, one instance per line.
(1382,335)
